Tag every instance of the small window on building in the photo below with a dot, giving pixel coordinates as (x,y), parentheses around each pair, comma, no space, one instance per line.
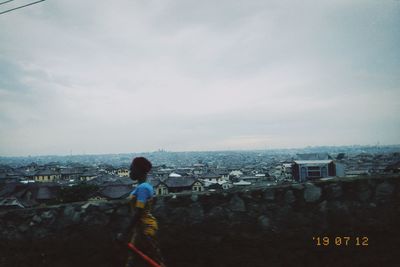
(313,168)
(324,172)
(314,174)
(303,173)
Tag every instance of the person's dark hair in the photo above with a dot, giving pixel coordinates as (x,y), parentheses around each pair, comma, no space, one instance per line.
(140,167)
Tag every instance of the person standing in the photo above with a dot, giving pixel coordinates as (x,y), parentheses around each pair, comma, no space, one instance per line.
(143,225)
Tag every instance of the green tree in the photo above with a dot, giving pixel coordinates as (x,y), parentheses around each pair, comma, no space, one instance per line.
(76,193)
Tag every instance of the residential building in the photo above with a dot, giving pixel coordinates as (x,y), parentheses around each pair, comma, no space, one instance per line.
(304,170)
(123,172)
(47,175)
(176,185)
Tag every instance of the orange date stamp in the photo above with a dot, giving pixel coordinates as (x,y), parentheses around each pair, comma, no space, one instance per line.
(340,241)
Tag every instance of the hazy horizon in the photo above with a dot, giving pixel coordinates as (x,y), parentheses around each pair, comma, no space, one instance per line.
(202,151)
(98,77)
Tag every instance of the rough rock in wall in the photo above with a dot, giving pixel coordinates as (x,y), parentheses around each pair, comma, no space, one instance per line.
(339,222)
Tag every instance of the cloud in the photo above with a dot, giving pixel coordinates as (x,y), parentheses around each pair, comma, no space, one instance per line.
(187,75)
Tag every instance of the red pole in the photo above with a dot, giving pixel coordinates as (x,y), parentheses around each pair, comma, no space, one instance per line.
(144,256)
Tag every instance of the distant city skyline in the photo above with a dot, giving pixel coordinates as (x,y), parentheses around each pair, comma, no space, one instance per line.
(314,149)
(97,78)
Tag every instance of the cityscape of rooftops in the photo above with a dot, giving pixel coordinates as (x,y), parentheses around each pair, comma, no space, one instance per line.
(239,92)
(197,76)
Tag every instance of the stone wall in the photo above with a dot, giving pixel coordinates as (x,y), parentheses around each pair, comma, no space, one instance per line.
(271,226)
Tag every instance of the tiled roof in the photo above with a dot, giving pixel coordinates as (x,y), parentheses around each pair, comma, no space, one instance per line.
(42,191)
(8,189)
(154,181)
(11,202)
(28,173)
(46,193)
(46,172)
(124,181)
(14,173)
(5,167)
(116,191)
(180,181)
(211,175)
(67,171)
(311,162)
(394,166)
(104,179)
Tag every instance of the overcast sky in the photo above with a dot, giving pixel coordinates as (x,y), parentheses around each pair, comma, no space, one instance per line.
(140,75)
